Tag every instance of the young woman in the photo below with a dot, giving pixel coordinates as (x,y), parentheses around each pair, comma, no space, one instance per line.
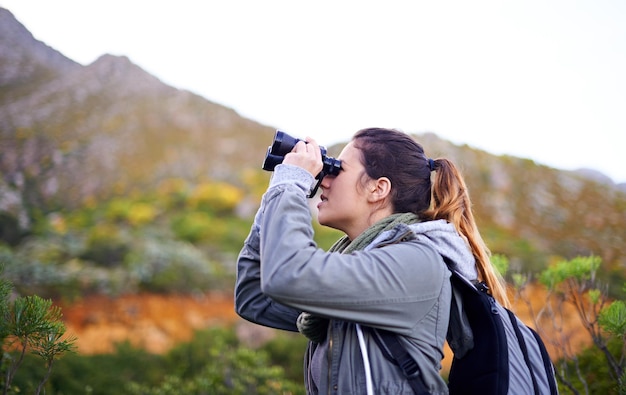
(386,273)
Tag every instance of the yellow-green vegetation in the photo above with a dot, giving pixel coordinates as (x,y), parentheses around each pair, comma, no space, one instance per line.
(180,237)
(215,197)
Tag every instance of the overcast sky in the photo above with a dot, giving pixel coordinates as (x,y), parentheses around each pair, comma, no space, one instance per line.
(539,79)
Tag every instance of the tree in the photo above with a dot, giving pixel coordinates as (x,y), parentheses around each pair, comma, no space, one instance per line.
(572,284)
(32,324)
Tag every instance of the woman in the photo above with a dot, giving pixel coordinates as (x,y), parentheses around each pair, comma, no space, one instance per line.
(386,273)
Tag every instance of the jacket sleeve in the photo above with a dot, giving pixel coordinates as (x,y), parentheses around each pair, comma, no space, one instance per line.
(250,302)
(393,287)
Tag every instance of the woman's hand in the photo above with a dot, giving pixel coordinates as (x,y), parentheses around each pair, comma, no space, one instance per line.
(307,156)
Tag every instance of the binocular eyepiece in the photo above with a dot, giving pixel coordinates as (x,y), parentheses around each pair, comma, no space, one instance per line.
(284,143)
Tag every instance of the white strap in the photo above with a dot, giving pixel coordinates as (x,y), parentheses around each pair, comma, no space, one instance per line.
(366,361)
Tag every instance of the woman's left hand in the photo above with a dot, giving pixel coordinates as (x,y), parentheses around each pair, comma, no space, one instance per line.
(307,156)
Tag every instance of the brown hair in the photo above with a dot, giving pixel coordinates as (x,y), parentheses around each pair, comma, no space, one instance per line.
(397,156)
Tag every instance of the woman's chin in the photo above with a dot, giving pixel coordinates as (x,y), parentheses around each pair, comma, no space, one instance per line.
(329,224)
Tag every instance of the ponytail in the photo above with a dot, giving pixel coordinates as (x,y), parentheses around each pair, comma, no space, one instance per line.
(450,201)
(396,155)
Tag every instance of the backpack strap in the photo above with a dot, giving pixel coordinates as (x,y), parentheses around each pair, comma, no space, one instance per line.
(393,350)
(522,346)
(547,363)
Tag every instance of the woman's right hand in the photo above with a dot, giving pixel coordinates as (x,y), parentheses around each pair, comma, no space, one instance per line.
(307,156)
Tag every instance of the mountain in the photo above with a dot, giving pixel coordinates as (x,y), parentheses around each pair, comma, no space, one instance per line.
(70,134)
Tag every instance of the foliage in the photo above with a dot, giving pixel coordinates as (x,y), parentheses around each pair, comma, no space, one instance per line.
(105,245)
(578,272)
(184,237)
(99,374)
(33,324)
(187,359)
(241,371)
(192,227)
(287,351)
(501,263)
(574,283)
(613,318)
(215,196)
(135,213)
(178,238)
(212,362)
(170,266)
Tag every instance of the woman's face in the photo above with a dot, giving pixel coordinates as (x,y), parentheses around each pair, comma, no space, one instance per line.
(344,204)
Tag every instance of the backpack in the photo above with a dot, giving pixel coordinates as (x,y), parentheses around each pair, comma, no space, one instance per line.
(505,353)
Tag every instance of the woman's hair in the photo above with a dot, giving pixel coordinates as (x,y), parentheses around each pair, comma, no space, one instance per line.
(393,154)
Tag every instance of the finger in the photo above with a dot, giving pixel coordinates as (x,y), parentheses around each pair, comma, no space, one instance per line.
(300,146)
(313,144)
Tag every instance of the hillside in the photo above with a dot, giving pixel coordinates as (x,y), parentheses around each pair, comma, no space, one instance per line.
(71,133)
(74,136)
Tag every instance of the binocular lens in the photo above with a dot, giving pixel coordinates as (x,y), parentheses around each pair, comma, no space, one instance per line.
(271,160)
(283,143)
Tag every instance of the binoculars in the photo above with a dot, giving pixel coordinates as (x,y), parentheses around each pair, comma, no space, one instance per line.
(284,143)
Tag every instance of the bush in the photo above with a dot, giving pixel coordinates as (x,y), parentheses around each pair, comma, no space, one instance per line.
(212,362)
(227,370)
(287,350)
(106,246)
(170,266)
(192,227)
(32,325)
(105,374)
(574,282)
(217,197)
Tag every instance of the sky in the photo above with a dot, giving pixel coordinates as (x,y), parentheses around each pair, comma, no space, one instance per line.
(537,79)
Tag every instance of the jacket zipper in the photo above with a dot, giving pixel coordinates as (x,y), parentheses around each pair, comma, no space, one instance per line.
(309,379)
(405,236)
(330,356)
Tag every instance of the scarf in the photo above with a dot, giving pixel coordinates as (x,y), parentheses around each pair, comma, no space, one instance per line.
(314,327)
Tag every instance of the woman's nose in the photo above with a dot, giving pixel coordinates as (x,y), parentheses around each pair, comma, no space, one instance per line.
(326,181)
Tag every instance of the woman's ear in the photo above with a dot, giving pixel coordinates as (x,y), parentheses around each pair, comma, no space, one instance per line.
(379,189)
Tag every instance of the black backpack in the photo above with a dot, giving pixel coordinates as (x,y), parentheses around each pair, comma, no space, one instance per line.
(486,368)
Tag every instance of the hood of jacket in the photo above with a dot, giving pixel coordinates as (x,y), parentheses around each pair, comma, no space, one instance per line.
(444,238)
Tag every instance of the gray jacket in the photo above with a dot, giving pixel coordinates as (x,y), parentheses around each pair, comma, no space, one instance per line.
(399,283)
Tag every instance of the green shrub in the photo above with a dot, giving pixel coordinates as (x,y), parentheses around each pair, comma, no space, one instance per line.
(287,350)
(212,362)
(217,197)
(29,325)
(192,227)
(106,246)
(104,374)
(171,266)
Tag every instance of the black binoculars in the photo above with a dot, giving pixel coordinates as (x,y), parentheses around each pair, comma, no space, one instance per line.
(284,143)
